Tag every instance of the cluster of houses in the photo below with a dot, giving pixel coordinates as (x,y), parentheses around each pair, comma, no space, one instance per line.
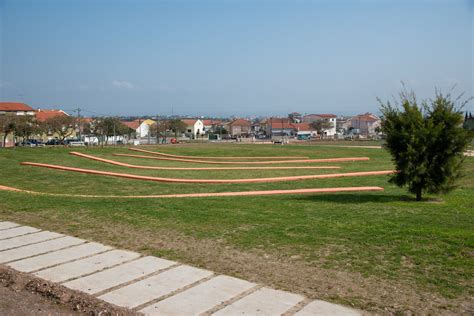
(23,110)
(294,126)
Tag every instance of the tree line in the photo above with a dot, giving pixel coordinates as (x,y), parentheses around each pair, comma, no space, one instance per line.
(63,127)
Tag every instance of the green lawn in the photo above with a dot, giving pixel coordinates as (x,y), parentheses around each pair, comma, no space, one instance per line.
(373,250)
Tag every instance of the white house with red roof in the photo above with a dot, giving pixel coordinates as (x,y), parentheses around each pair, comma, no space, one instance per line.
(141,127)
(310,118)
(194,127)
(16,108)
(13,108)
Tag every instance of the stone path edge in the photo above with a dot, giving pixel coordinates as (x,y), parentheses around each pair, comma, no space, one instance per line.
(166,286)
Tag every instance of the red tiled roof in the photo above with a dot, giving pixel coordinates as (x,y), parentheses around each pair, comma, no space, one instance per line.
(15,107)
(240,122)
(189,121)
(303,127)
(43,115)
(366,117)
(328,115)
(132,124)
(211,122)
(321,115)
(284,125)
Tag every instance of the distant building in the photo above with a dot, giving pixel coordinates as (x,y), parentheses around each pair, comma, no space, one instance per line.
(141,127)
(13,108)
(239,127)
(341,123)
(304,131)
(16,108)
(276,126)
(210,125)
(194,127)
(311,118)
(43,115)
(365,124)
(295,117)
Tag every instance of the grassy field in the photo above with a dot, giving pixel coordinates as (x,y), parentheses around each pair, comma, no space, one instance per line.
(379,251)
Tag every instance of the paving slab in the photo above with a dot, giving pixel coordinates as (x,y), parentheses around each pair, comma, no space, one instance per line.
(322,308)
(200,298)
(27,239)
(262,302)
(7,225)
(39,248)
(156,286)
(17,231)
(124,279)
(57,257)
(85,266)
(101,281)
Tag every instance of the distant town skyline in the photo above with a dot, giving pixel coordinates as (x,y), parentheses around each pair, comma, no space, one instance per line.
(222,58)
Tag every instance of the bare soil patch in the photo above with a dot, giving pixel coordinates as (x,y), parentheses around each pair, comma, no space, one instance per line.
(23,294)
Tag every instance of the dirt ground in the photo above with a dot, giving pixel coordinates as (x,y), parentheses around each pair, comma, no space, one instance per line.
(25,303)
(22,294)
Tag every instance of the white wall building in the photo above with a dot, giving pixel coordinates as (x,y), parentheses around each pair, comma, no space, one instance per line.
(194,127)
(330,132)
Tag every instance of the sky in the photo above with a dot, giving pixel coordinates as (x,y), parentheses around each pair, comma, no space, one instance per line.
(231,57)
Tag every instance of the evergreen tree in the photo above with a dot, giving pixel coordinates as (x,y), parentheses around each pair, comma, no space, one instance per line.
(427,142)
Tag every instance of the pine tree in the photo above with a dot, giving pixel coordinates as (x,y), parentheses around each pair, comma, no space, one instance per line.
(427,142)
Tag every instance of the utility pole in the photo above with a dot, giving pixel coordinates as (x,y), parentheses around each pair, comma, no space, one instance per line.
(271,128)
(282,132)
(158,132)
(139,131)
(149,132)
(78,110)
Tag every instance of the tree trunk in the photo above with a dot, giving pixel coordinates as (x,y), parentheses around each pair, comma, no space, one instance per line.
(418,194)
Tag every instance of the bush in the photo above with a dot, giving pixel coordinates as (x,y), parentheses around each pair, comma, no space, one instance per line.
(427,142)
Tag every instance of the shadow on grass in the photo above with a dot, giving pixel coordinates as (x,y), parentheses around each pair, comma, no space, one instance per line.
(351,198)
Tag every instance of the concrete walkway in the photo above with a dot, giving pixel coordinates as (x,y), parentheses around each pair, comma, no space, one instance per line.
(150,285)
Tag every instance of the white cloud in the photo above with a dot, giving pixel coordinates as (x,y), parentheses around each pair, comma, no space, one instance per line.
(121,84)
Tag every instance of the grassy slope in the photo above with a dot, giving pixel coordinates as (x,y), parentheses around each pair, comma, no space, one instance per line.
(386,234)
